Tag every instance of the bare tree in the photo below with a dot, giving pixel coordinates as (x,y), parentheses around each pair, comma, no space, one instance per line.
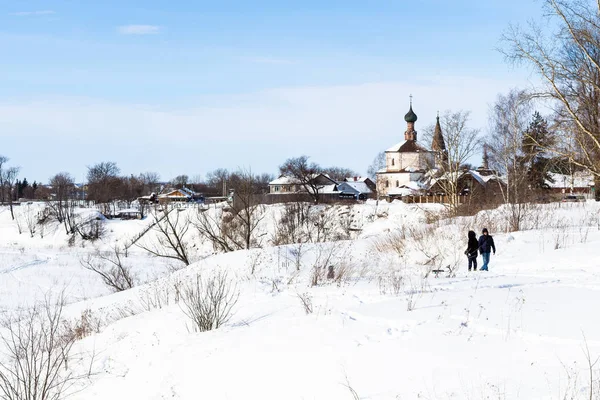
(171,242)
(3,161)
(248,213)
(8,180)
(509,119)
(377,164)
(110,266)
(30,219)
(457,144)
(209,302)
(305,173)
(63,188)
(339,173)
(568,61)
(235,227)
(217,180)
(180,181)
(103,184)
(39,348)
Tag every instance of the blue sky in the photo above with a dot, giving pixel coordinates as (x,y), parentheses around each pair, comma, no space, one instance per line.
(190,86)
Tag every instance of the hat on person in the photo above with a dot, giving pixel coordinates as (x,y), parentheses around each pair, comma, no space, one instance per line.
(484,230)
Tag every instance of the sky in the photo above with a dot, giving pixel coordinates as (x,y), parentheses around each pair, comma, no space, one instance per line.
(186,87)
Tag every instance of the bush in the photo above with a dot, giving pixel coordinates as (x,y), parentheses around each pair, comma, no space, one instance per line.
(39,347)
(209,302)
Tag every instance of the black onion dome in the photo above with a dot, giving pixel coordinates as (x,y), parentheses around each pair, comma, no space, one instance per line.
(410,115)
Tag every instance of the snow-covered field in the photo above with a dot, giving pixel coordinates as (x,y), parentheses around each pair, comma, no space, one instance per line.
(387,329)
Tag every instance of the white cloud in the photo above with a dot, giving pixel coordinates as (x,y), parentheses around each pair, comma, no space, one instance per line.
(30,13)
(138,29)
(334,125)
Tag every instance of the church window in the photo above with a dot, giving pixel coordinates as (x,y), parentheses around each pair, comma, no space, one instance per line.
(392,162)
(387,184)
(397,184)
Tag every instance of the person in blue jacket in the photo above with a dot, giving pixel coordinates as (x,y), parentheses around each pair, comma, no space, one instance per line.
(486,246)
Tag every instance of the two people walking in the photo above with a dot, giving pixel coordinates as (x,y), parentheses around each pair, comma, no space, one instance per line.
(485,245)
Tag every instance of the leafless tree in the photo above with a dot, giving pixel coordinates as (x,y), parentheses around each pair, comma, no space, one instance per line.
(292,225)
(568,61)
(62,187)
(103,184)
(248,213)
(305,173)
(377,164)
(171,231)
(339,173)
(180,181)
(217,180)
(38,348)
(111,267)
(209,302)
(3,161)
(10,176)
(30,219)
(235,227)
(461,142)
(509,119)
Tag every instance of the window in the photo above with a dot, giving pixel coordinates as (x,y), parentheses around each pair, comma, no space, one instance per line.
(277,188)
(397,184)
(387,184)
(392,162)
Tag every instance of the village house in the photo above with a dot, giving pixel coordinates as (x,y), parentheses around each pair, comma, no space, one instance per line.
(579,182)
(292,185)
(351,188)
(357,187)
(180,195)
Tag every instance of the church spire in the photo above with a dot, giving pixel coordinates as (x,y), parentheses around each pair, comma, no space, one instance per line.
(485,161)
(438,144)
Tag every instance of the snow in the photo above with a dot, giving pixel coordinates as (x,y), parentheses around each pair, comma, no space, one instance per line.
(579,179)
(515,332)
(285,180)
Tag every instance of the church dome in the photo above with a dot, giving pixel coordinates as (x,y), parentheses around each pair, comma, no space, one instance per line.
(410,115)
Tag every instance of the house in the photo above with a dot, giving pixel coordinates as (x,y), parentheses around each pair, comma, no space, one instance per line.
(292,185)
(356,190)
(581,182)
(180,195)
(478,184)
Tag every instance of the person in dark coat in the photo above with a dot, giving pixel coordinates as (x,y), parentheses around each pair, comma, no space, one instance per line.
(471,251)
(486,246)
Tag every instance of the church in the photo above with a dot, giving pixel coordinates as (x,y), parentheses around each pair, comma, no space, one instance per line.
(408,162)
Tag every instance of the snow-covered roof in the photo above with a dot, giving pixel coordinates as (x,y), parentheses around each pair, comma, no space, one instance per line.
(290,180)
(579,179)
(285,180)
(328,189)
(483,179)
(407,189)
(355,187)
(178,194)
(407,146)
(357,178)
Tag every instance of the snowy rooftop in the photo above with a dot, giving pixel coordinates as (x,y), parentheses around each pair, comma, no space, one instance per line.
(360,187)
(580,179)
